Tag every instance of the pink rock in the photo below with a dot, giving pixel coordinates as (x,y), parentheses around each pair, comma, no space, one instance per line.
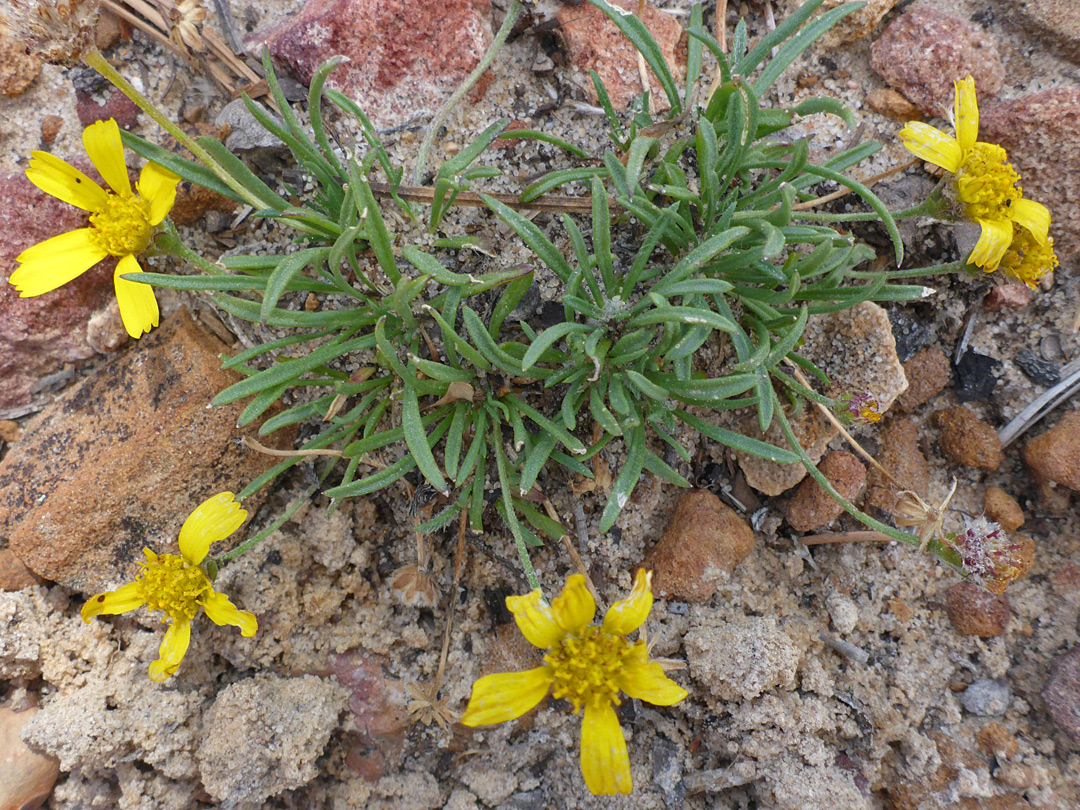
(924,50)
(594,43)
(1039,133)
(117,106)
(405,56)
(38,335)
(1007,296)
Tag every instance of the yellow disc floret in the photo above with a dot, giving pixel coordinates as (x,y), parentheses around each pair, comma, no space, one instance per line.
(1029,261)
(586,667)
(121,227)
(987,182)
(172,584)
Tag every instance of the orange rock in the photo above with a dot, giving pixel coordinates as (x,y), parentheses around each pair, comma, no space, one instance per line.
(812,507)
(965,439)
(900,455)
(14,576)
(26,777)
(1055,455)
(888,102)
(701,547)
(1003,509)
(928,374)
(974,612)
(994,738)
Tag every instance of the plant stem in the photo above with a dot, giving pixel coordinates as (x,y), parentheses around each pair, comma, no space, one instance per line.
(932,206)
(512,15)
(170,243)
(250,543)
(933,270)
(94,59)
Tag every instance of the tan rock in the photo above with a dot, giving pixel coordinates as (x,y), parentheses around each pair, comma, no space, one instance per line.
(26,777)
(857,351)
(119,461)
(995,739)
(974,612)
(18,69)
(965,439)
(699,550)
(900,455)
(812,507)
(928,374)
(594,43)
(1055,455)
(1002,508)
(14,576)
(50,127)
(886,101)
(9,431)
(854,26)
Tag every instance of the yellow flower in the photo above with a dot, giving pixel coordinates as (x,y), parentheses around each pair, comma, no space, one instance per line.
(121,223)
(586,665)
(1029,261)
(985,182)
(178,585)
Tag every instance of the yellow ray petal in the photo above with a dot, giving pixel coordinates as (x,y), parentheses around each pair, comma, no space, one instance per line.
(62,180)
(966,113)
(158,185)
(54,262)
(933,145)
(223,612)
(993,241)
(172,650)
(649,683)
(627,615)
(211,521)
(604,762)
(575,607)
(102,143)
(125,598)
(138,306)
(535,619)
(506,696)
(1033,216)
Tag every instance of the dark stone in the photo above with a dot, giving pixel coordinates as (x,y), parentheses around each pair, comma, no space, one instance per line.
(526,800)
(667,772)
(551,313)
(1043,372)
(909,333)
(975,377)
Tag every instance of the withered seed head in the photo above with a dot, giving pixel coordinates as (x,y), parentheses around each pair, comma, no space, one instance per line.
(56,31)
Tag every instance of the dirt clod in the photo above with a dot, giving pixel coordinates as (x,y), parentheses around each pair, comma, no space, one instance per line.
(1002,508)
(965,439)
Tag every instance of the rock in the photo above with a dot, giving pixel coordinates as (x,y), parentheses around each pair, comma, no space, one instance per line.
(995,739)
(14,576)
(741,659)
(886,101)
(119,460)
(975,377)
(852,27)
(1054,22)
(245,131)
(264,734)
(405,56)
(1007,296)
(18,69)
(928,374)
(1002,508)
(375,700)
(594,43)
(1062,692)
(1055,455)
(50,127)
(1039,133)
(699,549)
(26,777)
(857,351)
(9,431)
(193,202)
(910,334)
(1042,372)
(667,771)
(116,105)
(966,439)
(39,335)
(899,454)
(843,612)
(924,50)
(974,612)
(987,697)
(812,507)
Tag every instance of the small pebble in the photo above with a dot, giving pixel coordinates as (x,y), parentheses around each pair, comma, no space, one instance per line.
(1062,692)
(974,612)
(1002,508)
(50,127)
(843,612)
(1050,348)
(1043,372)
(910,334)
(1055,455)
(995,739)
(9,431)
(987,697)
(965,439)
(975,377)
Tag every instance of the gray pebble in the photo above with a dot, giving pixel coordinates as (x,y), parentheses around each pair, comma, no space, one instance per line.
(986,697)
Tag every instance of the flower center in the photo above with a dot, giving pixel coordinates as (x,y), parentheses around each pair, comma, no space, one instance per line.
(122,227)
(586,667)
(172,584)
(1027,260)
(986,182)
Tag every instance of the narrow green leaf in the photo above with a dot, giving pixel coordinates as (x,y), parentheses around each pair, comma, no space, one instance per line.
(639,36)
(533,237)
(417,440)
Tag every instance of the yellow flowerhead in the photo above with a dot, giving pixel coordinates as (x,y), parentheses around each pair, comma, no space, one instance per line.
(985,183)
(121,223)
(586,665)
(178,585)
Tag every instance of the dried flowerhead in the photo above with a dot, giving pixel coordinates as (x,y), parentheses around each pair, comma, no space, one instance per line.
(185,19)
(989,556)
(57,31)
(911,510)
